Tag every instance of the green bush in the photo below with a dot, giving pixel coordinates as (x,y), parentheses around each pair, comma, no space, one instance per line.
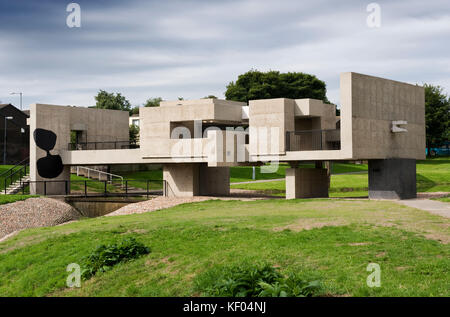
(106,256)
(255,281)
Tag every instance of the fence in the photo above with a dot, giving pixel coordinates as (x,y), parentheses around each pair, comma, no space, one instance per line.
(313,140)
(96,188)
(14,174)
(109,145)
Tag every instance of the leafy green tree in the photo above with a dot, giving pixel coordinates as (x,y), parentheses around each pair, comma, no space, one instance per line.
(273,84)
(153,102)
(210,97)
(437,116)
(135,110)
(134,133)
(105,100)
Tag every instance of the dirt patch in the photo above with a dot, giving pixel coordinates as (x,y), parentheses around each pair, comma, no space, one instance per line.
(308,224)
(355,244)
(440,237)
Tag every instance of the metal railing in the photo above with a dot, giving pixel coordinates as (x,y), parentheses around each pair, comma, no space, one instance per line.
(108,145)
(94,188)
(14,174)
(109,176)
(313,140)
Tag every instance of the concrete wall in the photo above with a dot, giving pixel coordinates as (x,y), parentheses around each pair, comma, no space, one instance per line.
(375,103)
(98,125)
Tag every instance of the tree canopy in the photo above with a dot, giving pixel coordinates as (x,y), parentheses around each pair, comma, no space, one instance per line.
(437,115)
(273,84)
(106,100)
(153,102)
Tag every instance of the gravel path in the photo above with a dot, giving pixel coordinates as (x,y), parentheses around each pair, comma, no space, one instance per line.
(34,212)
(167,202)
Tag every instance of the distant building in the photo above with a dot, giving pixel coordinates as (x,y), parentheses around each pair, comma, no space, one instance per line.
(17,134)
(134,120)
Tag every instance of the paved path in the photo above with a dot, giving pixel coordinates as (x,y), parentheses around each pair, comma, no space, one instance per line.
(433,206)
(259,181)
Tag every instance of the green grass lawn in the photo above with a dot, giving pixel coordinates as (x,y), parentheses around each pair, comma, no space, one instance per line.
(6,199)
(77,185)
(333,240)
(4,168)
(139,179)
(244,173)
(433,175)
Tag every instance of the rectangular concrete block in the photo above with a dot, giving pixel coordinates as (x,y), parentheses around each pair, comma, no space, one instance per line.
(214,181)
(181,179)
(306,183)
(392,179)
(187,180)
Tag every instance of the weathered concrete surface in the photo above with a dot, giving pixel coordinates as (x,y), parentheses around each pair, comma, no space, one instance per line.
(306,183)
(435,207)
(95,125)
(392,179)
(187,180)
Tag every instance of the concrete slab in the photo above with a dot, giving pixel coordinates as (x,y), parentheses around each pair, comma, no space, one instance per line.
(435,207)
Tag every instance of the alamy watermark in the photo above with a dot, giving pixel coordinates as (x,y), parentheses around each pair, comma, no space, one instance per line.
(73,20)
(374,17)
(74,278)
(374,278)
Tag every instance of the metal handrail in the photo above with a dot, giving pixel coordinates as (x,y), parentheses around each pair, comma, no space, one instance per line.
(76,146)
(22,172)
(105,192)
(311,140)
(100,172)
(15,165)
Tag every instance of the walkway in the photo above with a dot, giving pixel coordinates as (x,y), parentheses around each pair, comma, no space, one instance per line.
(433,206)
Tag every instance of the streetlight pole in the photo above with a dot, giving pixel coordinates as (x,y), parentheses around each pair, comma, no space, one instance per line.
(4,141)
(18,93)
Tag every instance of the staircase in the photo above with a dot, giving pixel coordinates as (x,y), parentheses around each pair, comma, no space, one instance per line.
(16,187)
(13,179)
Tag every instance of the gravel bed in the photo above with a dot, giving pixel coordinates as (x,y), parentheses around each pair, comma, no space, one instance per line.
(34,212)
(161,202)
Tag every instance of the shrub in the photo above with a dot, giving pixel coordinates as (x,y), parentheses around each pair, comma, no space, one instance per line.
(106,256)
(255,281)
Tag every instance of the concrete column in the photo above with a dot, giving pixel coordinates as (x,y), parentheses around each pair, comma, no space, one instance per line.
(55,186)
(214,180)
(181,179)
(392,179)
(187,180)
(306,183)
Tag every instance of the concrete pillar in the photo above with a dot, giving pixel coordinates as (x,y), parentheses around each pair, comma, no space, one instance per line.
(306,183)
(214,180)
(54,186)
(392,179)
(187,180)
(181,179)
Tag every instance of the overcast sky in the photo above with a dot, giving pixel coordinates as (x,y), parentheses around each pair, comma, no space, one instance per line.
(194,48)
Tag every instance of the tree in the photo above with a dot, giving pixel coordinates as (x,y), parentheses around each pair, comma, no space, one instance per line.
(437,116)
(134,133)
(105,100)
(210,97)
(153,102)
(273,84)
